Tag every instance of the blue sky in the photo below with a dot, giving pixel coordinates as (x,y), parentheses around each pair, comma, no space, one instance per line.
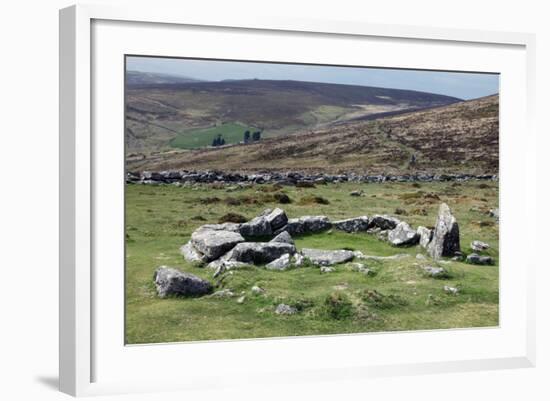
(458,84)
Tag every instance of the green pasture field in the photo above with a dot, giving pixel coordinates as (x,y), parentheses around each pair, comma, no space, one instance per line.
(399,296)
(199,138)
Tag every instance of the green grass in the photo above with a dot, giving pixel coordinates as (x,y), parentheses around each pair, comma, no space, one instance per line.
(199,138)
(161,218)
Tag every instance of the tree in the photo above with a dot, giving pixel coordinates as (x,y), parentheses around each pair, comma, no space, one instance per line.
(218,140)
(256,136)
(246,136)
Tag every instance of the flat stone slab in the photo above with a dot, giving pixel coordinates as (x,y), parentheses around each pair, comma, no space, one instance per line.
(170,281)
(259,253)
(214,243)
(322,257)
(306,224)
(352,225)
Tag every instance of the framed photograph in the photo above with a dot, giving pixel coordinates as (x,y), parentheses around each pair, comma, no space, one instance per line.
(284,199)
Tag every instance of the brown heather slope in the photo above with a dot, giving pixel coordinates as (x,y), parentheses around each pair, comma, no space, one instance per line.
(460,138)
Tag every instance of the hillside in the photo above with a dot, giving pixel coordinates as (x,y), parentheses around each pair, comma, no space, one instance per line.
(143,79)
(167,114)
(461,137)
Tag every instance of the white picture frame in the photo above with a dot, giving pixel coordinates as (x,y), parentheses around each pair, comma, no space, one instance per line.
(83,325)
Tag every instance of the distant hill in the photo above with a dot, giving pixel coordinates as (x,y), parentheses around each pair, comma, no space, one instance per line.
(461,138)
(145,79)
(172,114)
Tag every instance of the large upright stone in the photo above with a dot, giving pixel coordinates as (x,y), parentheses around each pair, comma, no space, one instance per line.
(170,281)
(446,235)
(214,243)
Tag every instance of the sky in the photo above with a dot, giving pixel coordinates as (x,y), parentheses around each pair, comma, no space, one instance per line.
(457,84)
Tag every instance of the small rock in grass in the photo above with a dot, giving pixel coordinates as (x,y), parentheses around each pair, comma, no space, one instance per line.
(450,290)
(321,257)
(225,293)
(436,272)
(362,268)
(356,193)
(327,269)
(479,246)
(284,309)
(257,290)
(476,259)
(241,299)
(419,256)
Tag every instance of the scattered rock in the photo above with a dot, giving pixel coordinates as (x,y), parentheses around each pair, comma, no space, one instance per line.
(225,293)
(284,309)
(476,259)
(213,243)
(362,268)
(352,225)
(425,235)
(446,236)
(298,260)
(327,269)
(241,299)
(259,253)
(436,272)
(170,281)
(450,290)
(306,224)
(284,238)
(281,263)
(419,256)
(322,257)
(479,246)
(403,235)
(356,193)
(257,290)
(191,254)
(384,222)
(257,227)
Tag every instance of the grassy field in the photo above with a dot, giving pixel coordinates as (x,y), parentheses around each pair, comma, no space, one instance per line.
(398,297)
(199,138)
